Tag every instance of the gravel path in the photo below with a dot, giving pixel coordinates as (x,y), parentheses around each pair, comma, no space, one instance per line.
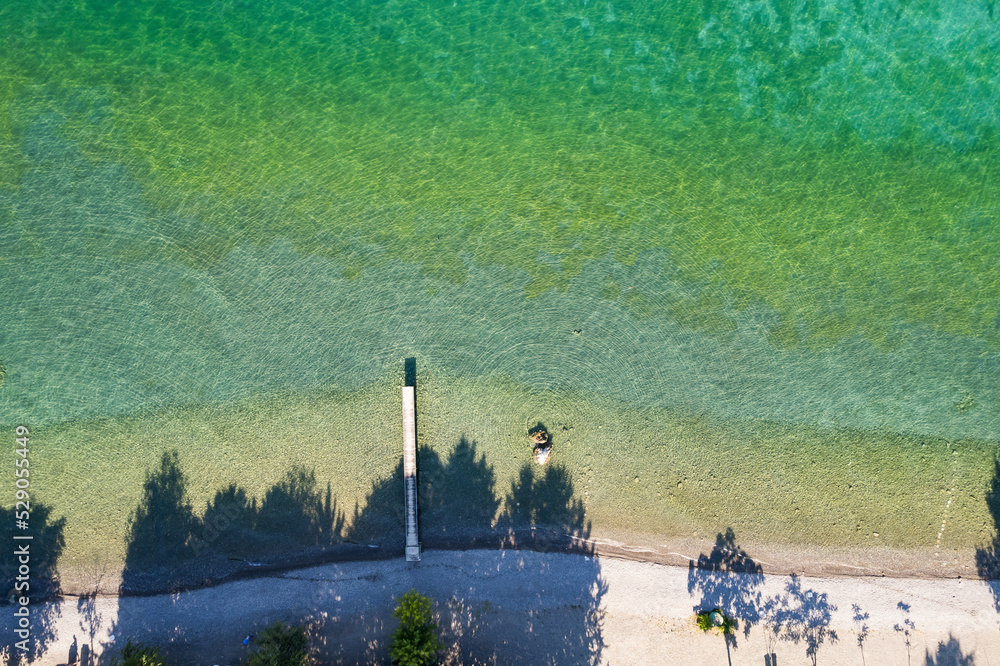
(523,607)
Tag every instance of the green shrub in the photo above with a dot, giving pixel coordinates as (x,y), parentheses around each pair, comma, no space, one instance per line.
(415,642)
(705,623)
(281,645)
(139,655)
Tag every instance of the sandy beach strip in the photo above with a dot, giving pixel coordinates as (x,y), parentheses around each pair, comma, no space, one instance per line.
(525,607)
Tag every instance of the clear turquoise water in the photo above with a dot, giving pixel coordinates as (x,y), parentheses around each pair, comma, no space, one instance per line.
(770,210)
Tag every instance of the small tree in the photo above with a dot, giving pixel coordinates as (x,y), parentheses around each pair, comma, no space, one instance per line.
(281,645)
(137,654)
(415,642)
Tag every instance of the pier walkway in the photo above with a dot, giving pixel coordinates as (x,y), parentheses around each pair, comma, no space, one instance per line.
(410,473)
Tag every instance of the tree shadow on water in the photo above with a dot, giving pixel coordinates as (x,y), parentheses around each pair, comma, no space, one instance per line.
(548,609)
(988,557)
(456,501)
(160,531)
(159,556)
(543,609)
(295,510)
(295,518)
(171,549)
(457,498)
(230,518)
(542,513)
(381,521)
(40,583)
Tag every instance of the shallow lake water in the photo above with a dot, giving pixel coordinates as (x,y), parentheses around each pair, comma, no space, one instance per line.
(768,227)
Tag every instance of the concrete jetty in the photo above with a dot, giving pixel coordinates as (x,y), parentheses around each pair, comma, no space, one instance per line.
(410,473)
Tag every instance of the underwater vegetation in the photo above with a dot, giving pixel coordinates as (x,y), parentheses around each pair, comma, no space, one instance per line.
(776,154)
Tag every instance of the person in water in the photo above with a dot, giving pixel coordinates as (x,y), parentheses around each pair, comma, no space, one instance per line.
(543,445)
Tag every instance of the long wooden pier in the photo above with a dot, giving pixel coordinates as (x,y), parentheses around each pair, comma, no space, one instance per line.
(410,473)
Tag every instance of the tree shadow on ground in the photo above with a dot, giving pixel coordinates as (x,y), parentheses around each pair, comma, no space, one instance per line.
(90,624)
(42,580)
(542,513)
(988,557)
(727,578)
(861,628)
(906,628)
(948,654)
(801,616)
